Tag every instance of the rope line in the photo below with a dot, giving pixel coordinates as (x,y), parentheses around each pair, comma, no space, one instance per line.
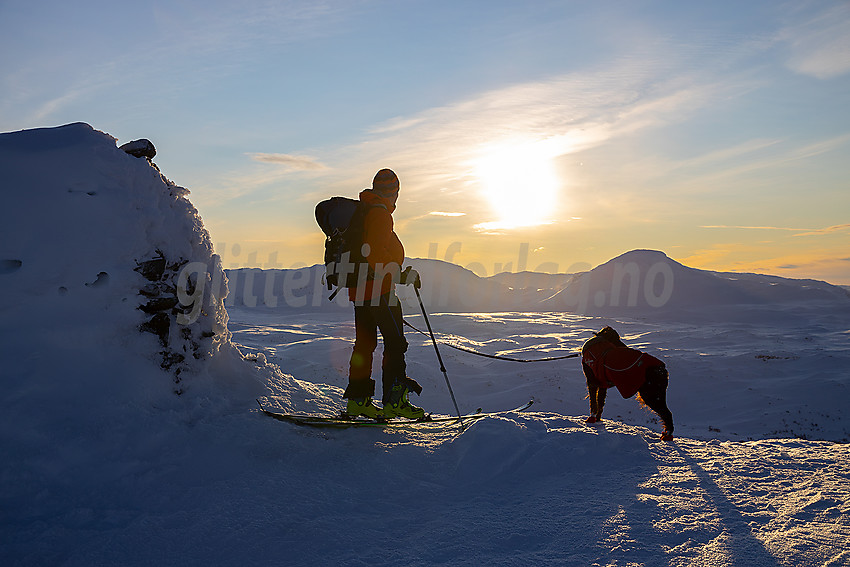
(470,351)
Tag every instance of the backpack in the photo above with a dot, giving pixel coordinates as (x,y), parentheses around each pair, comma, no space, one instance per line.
(341,219)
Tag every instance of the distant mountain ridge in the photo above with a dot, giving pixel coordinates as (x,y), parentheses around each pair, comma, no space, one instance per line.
(636,283)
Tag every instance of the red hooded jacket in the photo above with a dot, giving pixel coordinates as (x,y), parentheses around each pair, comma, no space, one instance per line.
(618,366)
(386,253)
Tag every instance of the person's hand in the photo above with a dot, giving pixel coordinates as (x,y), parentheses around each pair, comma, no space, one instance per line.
(410,276)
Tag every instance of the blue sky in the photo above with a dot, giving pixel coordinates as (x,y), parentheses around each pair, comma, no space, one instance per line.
(717,132)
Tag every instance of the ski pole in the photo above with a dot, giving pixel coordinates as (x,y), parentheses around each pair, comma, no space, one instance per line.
(439,358)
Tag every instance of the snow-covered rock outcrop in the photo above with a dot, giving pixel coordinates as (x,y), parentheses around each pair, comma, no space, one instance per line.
(107,273)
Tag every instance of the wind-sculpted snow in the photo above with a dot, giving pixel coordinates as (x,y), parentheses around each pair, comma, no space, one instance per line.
(97,245)
(541,489)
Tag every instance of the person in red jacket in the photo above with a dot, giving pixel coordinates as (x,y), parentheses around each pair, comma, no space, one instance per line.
(377,308)
(607,361)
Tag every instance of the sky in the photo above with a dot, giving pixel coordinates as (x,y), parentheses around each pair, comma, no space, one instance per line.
(539,135)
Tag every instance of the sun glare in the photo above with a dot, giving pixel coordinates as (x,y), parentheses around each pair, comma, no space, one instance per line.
(520,184)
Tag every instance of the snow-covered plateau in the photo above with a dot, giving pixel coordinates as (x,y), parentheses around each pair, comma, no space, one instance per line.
(131,365)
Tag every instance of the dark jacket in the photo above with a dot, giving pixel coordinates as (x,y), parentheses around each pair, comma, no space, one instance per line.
(385,248)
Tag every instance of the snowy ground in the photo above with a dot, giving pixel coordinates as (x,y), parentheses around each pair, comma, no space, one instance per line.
(198,480)
(728,381)
(543,488)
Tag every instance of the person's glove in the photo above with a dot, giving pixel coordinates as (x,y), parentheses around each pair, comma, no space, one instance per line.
(410,276)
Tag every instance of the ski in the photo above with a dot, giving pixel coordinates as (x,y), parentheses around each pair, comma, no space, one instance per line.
(340,422)
(341,417)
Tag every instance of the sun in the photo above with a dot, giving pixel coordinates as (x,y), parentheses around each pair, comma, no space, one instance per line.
(520,184)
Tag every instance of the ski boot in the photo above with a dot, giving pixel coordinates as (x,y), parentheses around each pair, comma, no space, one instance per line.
(363,406)
(399,406)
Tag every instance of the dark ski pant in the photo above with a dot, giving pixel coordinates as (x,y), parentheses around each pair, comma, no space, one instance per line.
(653,393)
(385,317)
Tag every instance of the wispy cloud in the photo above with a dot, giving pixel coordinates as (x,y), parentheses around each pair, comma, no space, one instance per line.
(798,231)
(820,43)
(496,227)
(725,154)
(396,124)
(739,227)
(186,47)
(229,30)
(435,151)
(294,162)
(827,263)
(818,264)
(705,172)
(827,230)
(446,214)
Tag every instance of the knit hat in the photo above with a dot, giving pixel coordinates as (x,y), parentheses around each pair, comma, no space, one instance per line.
(385,182)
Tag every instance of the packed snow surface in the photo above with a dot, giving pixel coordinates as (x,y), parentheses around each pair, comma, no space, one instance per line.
(124,444)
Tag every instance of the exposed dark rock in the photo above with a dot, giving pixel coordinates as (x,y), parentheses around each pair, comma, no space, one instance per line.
(169,359)
(180,342)
(152,270)
(157,304)
(151,290)
(159,325)
(142,148)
